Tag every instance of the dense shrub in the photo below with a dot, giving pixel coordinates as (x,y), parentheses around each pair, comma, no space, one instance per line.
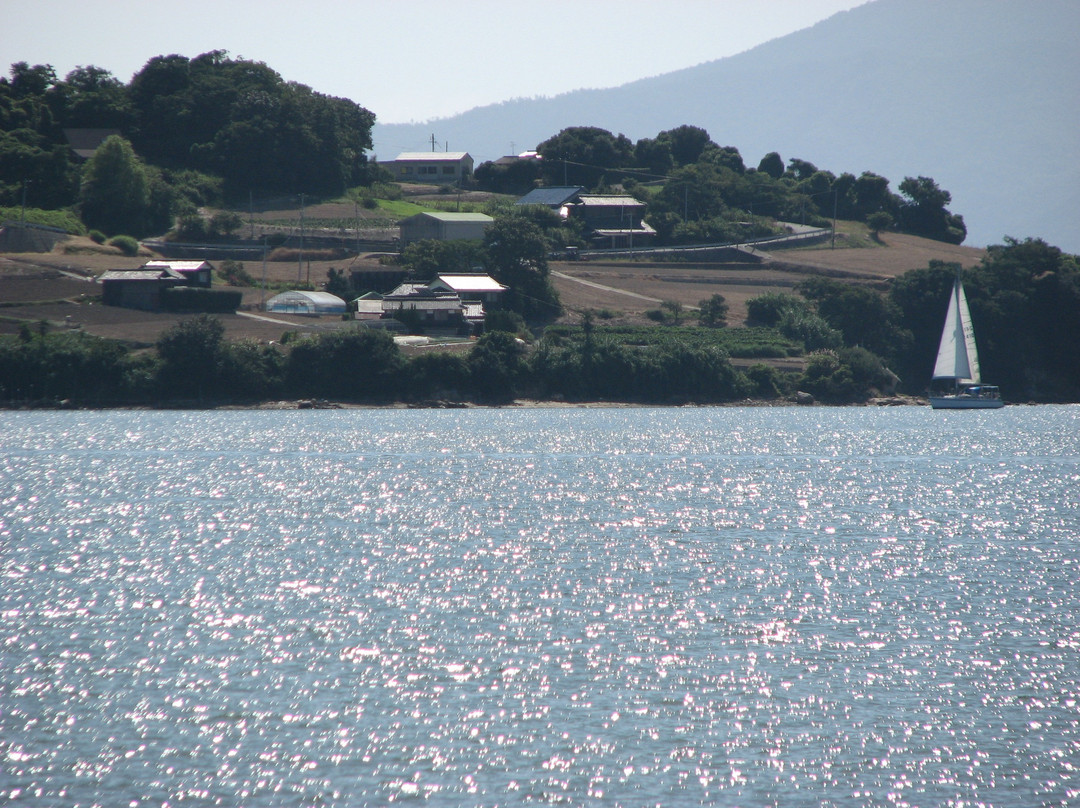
(769,308)
(845,376)
(497,366)
(235,275)
(126,244)
(504,320)
(194,299)
(346,365)
(437,375)
(69,365)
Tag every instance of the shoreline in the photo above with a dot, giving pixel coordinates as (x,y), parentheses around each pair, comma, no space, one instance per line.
(442,404)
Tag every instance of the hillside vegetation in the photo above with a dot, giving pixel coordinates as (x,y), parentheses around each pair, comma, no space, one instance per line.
(845,320)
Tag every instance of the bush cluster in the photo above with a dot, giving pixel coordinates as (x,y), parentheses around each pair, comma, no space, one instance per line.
(193,363)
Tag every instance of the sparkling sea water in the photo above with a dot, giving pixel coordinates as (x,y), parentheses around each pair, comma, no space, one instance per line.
(692,606)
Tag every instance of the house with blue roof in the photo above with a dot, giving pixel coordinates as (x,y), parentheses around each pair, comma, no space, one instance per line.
(556,197)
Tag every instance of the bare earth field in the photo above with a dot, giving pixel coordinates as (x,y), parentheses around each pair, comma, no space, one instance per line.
(58,287)
(628,289)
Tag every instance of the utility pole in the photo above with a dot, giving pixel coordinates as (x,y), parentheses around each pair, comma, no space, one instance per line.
(262,307)
(300,257)
(834,219)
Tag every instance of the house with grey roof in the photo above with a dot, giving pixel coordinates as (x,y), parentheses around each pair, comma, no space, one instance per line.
(138,288)
(443,226)
(84,142)
(454,300)
(612,220)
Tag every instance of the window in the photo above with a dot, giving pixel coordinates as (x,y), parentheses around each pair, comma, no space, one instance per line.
(447,169)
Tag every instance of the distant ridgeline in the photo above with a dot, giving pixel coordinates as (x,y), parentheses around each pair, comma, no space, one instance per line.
(983,102)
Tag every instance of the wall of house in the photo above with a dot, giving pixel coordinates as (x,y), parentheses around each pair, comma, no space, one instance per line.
(433,171)
(144,295)
(427,228)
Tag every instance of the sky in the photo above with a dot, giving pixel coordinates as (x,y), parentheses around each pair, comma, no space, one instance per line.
(410,61)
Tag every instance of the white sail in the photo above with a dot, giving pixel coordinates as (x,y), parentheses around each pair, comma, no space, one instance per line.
(957,358)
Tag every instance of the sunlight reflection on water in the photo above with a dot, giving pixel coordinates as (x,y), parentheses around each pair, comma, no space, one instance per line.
(719,606)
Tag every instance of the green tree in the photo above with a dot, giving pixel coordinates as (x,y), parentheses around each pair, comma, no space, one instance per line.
(768,309)
(191,354)
(845,376)
(654,155)
(515,177)
(239,119)
(725,156)
(356,365)
(225,223)
(437,374)
(687,143)
(772,164)
(800,170)
(92,97)
(253,370)
(871,194)
(497,366)
(516,256)
(29,81)
(115,194)
(878,221)
(673,310)
(924,211)
(505,320)
(581,155)
(864,316)
(429,257)
(713,311)
(338,283)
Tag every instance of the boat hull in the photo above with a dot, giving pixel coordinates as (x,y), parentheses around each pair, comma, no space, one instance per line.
(965,403)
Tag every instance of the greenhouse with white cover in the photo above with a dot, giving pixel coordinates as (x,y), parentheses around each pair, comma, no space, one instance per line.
(313,304)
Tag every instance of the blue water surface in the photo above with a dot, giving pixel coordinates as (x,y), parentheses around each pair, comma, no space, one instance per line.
(684,606)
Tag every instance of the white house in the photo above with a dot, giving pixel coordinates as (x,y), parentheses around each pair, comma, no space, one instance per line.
(477,287)
(449,299)
(433,167)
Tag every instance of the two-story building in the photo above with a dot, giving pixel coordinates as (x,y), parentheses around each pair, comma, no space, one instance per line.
(612,220)
(435,167)
(449,300)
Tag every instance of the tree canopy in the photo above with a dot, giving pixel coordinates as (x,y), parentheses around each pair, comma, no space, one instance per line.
(235,119)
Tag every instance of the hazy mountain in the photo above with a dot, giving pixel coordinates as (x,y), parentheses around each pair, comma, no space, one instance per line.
(981,95)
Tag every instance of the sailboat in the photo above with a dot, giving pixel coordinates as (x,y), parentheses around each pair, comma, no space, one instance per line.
(957,366)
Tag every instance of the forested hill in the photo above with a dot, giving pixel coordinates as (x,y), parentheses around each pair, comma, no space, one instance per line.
(204,127)
(979,94)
